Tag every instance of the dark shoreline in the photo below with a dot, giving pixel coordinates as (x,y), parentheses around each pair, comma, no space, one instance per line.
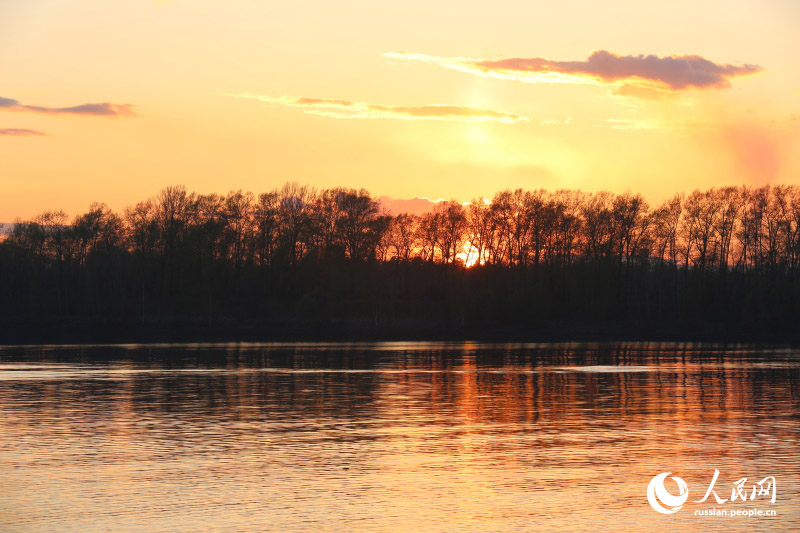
(182,332)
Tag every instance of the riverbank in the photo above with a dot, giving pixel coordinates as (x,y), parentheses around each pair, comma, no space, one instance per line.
(102,332)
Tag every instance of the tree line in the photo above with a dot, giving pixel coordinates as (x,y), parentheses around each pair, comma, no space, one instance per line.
(728,255)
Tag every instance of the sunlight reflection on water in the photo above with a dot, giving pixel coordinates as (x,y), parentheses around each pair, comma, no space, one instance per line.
(389,437)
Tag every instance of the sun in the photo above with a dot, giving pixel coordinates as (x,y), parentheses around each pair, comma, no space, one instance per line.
(470,256)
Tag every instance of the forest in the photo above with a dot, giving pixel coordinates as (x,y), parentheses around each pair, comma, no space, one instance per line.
(297,262)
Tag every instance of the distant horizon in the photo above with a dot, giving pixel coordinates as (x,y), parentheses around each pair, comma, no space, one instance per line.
(385,200)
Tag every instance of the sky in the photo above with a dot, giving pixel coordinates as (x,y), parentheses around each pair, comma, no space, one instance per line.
(112,101)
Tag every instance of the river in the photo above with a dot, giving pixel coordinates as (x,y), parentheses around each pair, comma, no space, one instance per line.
(397,437)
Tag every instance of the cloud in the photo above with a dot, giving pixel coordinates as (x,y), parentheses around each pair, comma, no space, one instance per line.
(670,73)
(348,109)
(760,150)
(414,206)
(20,132)
(102,109)
(641,92)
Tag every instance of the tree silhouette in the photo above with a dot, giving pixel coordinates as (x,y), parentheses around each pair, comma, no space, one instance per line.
(295,255)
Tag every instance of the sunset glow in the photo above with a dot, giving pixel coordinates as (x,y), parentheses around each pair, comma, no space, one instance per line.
(303,266)
(113,101)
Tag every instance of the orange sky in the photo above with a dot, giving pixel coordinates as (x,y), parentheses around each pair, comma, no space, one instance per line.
(435,99)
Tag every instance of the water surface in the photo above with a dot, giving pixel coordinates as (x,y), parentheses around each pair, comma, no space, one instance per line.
(392,436)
